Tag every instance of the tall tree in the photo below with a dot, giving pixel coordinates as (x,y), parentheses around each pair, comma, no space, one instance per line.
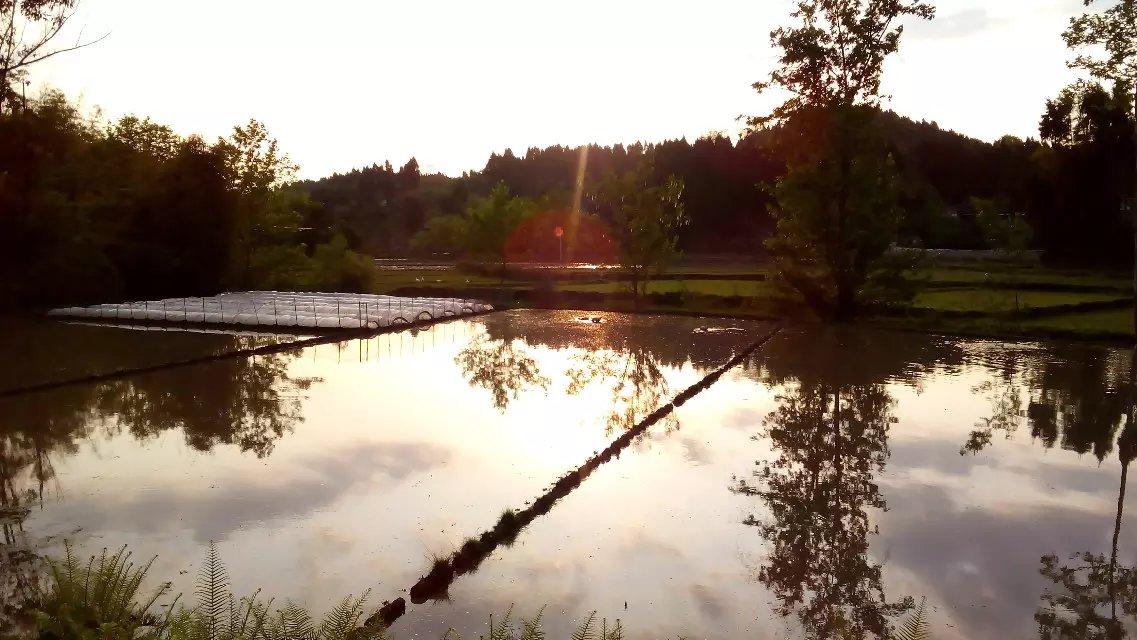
(836,208)
(489,222)
(1106,46)
(646,219)
(256,168)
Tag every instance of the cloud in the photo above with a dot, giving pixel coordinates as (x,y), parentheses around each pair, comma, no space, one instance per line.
(696,452)
(238,499)
(980,565)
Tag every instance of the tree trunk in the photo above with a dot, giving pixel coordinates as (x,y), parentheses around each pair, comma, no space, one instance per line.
(1116,535)
(1133,207)
(845,305)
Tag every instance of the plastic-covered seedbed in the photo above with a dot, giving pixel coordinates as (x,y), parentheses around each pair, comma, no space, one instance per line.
(284,309)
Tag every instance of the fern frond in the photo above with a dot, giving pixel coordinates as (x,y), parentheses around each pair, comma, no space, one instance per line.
(213,596)
(104,593)
(296,623)
(344,617)
(503,630)
(615,633)
(587,629)
(531,628)
(915,626)
(258,617)
(71,563)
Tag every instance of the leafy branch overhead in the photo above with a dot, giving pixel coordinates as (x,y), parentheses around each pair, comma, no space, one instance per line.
(27,30)
(834,55)
(1112,32)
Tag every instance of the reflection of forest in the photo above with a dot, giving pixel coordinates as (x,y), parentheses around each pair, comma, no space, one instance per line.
(246,402)
(626,355)
(829,433)
(1081,399)
(1073,396)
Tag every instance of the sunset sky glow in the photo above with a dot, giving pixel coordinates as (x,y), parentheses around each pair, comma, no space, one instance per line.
(346,84)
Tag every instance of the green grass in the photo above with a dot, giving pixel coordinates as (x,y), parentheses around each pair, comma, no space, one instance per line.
(1002,274)
(386,281)
(1108,321)
(986,289)
(721,268)
(1003,300)
(724,288)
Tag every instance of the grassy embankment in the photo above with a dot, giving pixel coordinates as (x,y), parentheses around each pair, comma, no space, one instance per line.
(973,299)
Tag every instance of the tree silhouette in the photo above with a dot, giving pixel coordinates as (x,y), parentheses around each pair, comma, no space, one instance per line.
(645,222)
(1106,46)
(505,367)
(837,206)
(30,28)
(831,441)
(248,402)
(1091,590)
(502,367)
(634,379)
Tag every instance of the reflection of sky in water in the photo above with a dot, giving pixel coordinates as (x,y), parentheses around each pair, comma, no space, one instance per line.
(404,449)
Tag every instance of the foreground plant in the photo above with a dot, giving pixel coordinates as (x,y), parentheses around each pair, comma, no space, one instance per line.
(97,600)
(100,600)
(506,628)
(103,599)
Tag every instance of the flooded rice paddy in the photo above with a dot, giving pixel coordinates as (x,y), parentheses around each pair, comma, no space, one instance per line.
(814,487)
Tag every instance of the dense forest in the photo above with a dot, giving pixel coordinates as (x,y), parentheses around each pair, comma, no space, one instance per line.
(1070,188)
(96,211)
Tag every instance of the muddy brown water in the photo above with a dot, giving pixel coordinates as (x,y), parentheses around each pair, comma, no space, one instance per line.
(831,475)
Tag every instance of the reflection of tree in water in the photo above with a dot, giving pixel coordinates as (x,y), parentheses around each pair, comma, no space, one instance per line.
(1076,397)
(30,433)
(1093,595)
(21,571)
(1006,413)
(248,402)
(506,367)
(634,379)
(32,429)
(829,434)
(831,441)
(502,367)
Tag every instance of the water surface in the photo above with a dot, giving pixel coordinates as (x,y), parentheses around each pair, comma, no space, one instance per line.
(819,486)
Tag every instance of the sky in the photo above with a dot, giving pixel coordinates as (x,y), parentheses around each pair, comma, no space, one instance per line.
(349,83)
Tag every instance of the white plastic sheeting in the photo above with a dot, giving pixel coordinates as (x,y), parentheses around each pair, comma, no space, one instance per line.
(284,309)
